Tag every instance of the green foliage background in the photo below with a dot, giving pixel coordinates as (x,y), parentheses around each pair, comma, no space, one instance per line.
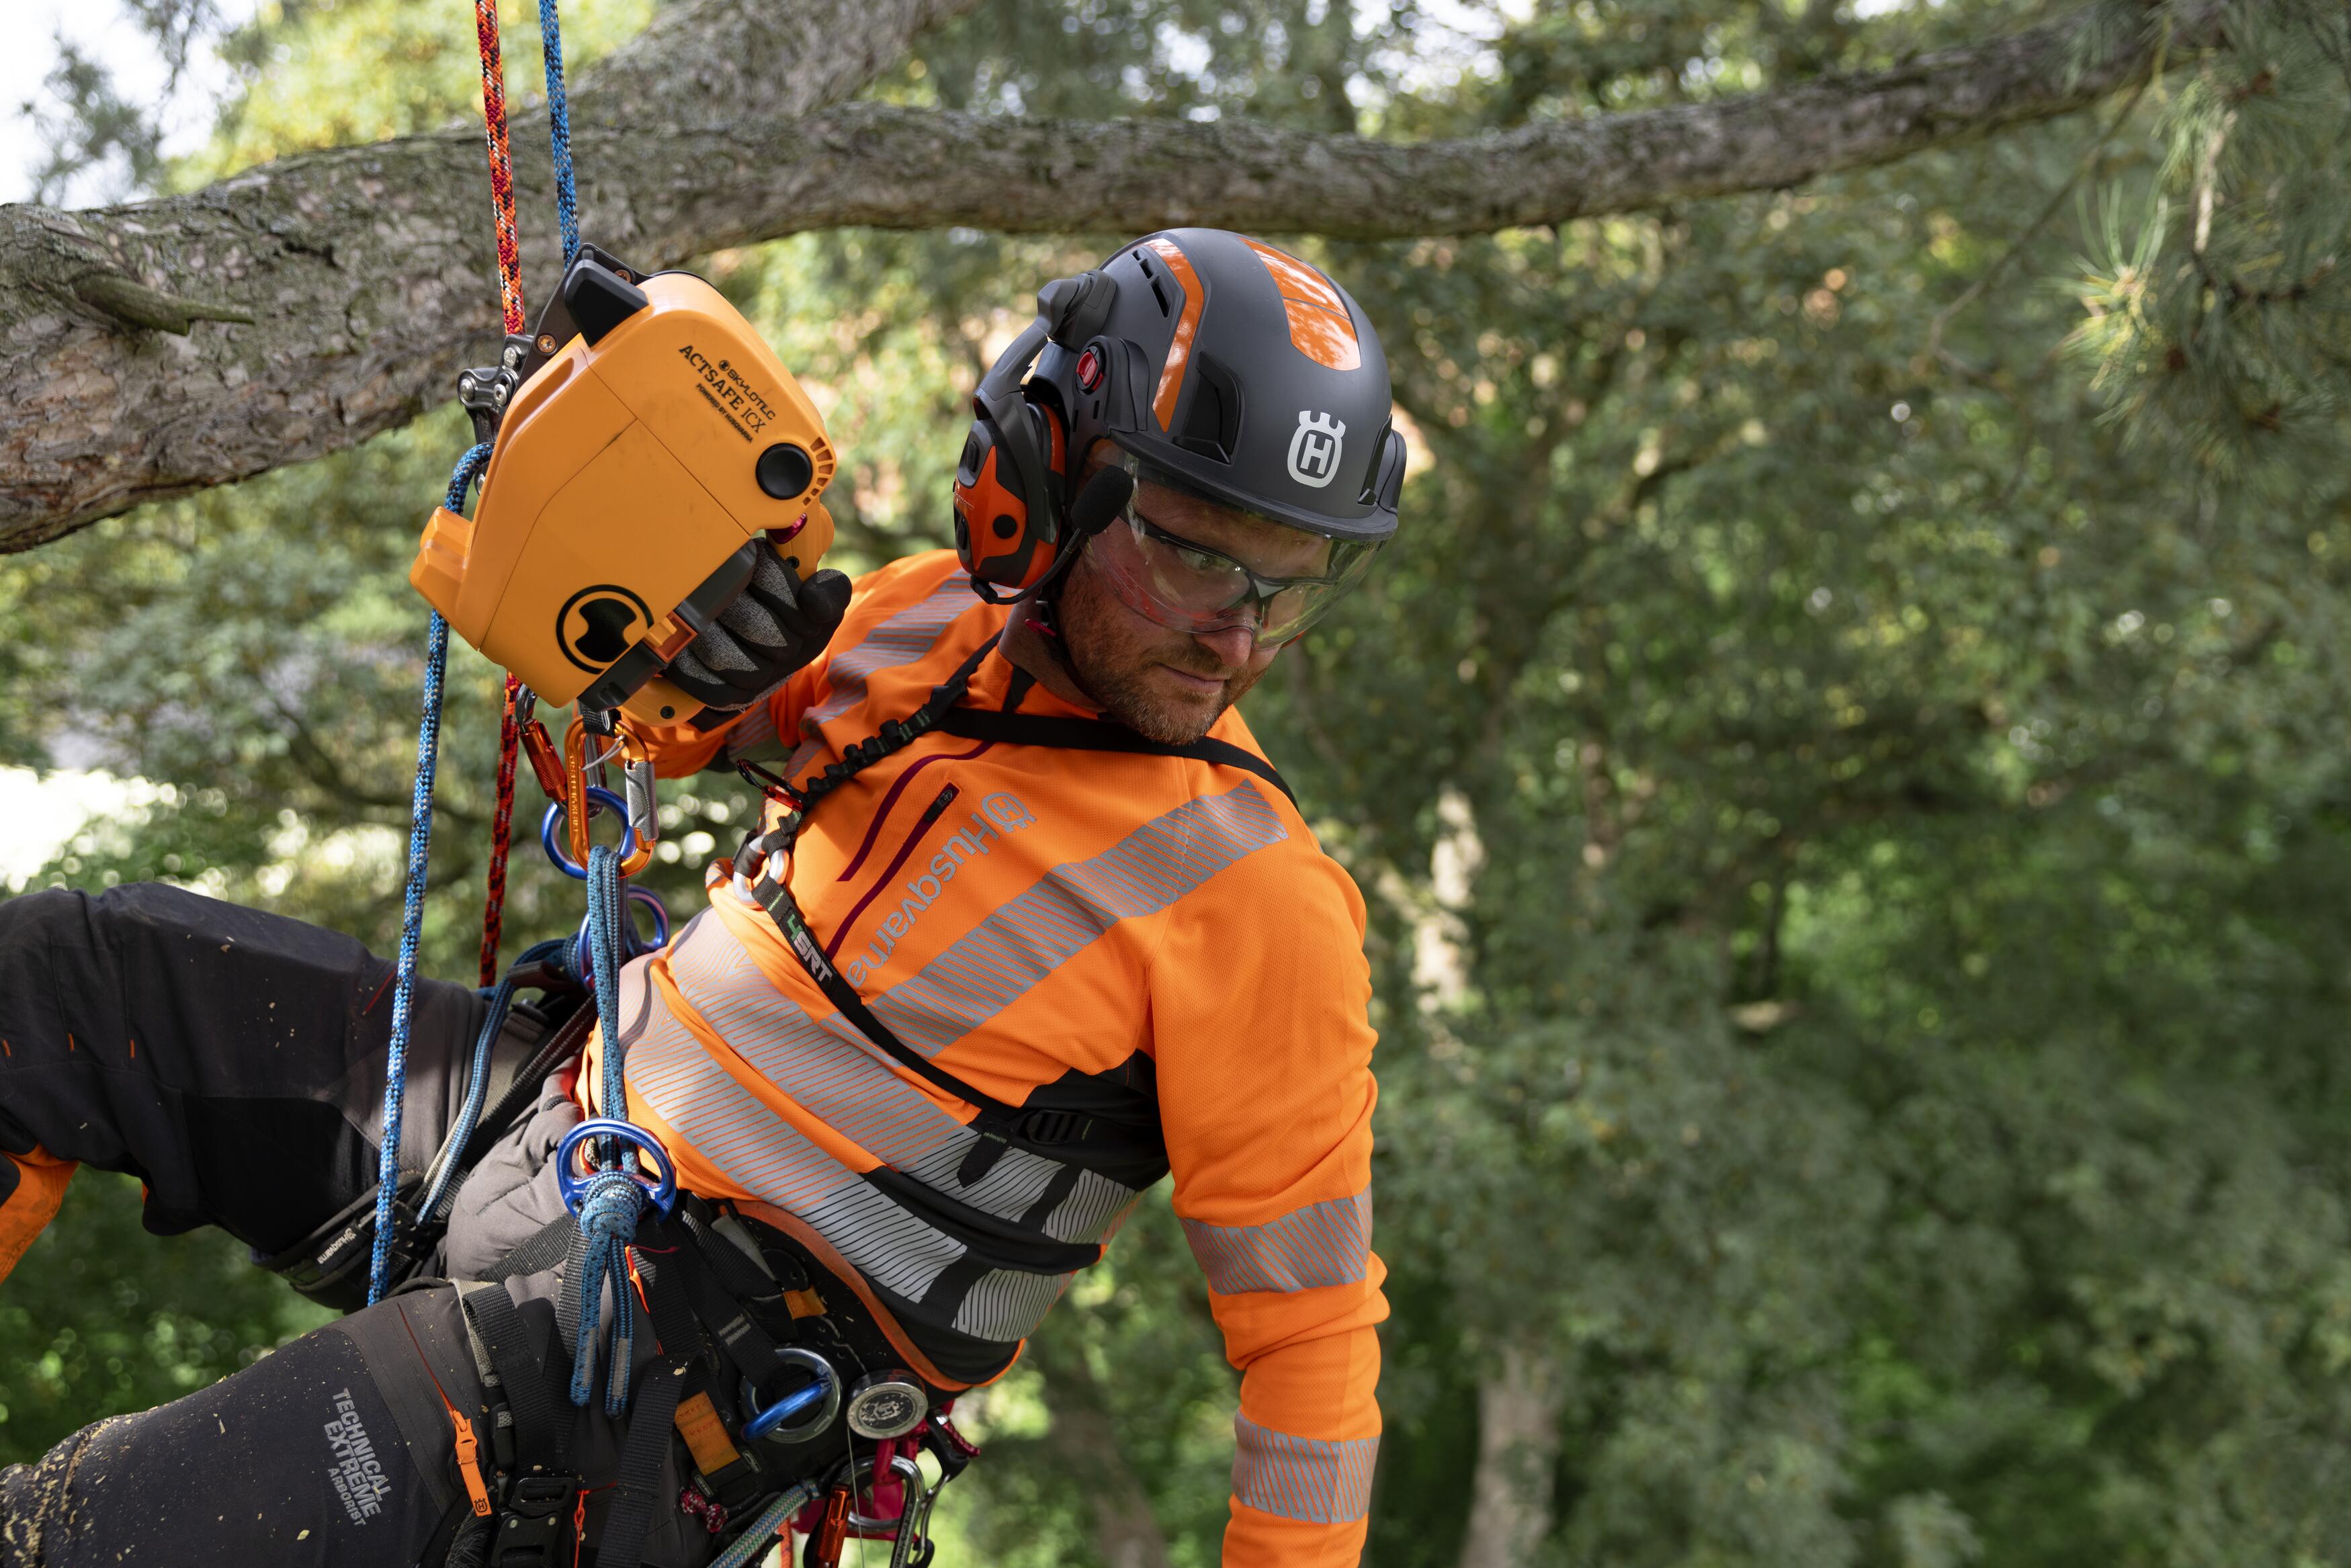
(1846,757)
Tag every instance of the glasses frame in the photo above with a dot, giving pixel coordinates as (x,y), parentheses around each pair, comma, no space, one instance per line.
(1261,588)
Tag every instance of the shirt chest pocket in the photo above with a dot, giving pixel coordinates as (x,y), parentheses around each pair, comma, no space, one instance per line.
(903,871)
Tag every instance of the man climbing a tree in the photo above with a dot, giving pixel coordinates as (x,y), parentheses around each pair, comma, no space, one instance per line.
(1030,923)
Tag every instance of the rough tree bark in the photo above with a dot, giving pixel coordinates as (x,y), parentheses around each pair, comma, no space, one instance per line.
(159,348)
(1083,1441)
(339,292)
(1519,1408)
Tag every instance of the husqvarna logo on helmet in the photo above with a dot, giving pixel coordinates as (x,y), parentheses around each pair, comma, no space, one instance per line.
(1314,449)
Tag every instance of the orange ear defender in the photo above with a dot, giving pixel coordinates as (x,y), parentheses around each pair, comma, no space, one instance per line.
(649,443)
(1004,538)
(1012,483)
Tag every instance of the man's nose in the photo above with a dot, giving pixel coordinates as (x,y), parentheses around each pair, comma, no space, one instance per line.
(1232,645)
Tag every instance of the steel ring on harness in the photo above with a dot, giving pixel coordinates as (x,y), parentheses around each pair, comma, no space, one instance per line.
(769,1422)
(574,1187)
(583,962)
(600,799)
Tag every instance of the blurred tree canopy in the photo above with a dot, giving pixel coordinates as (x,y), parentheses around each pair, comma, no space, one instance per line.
(1845,758)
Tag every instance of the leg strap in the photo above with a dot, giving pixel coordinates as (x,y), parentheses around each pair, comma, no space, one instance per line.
(638,1490)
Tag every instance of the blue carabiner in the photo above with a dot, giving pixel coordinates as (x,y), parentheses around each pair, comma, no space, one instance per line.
(825,1386)
(783,1410)
(646,898)
(600,799)
(574,1187)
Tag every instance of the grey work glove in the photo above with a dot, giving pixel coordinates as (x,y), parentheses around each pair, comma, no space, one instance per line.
(776,625)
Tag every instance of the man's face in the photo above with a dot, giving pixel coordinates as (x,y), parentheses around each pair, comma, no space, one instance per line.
(1169,686)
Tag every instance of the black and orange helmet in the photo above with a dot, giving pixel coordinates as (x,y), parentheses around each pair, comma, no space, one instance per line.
(1218,364)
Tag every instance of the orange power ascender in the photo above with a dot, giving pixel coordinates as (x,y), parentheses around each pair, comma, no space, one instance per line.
(649,443)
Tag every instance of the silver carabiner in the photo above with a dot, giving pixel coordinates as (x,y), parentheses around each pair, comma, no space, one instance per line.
(644,808)
(913,1514)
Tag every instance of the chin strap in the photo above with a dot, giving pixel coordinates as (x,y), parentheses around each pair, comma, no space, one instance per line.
(1044,619)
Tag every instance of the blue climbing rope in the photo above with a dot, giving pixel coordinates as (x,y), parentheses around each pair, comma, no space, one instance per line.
(559,128)
(412,920)
(613,1200)
(428,734)
(441,1190)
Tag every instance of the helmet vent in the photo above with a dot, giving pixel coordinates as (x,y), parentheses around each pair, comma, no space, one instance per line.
(1370,496)
(1159,294)
(1212,424)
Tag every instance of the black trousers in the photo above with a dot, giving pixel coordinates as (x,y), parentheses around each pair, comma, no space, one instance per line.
(338,1449)
(235,1062)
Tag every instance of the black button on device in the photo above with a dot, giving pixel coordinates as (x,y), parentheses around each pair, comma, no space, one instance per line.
(785,470)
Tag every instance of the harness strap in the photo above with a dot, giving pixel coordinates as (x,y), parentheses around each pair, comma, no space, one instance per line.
(750,1347)
(743,1279)
(579,1348)
(637,1490)
(705,1414)
(677,1325)
(997,1122)
(546,1248)
(538,1428)
(1101,735)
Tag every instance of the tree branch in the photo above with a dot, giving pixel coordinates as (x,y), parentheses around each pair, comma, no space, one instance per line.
(367,269)
(360,278)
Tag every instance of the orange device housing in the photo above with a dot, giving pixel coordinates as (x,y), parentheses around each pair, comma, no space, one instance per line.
(628,475)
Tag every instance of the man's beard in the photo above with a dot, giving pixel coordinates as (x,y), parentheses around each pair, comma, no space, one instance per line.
(1114,674)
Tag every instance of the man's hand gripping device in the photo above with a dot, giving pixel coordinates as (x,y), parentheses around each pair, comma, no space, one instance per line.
(649,447)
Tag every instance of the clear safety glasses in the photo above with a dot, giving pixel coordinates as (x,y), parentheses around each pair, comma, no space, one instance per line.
(1186,586)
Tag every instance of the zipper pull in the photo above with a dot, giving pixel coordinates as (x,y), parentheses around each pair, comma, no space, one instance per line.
(468,1465)
(936,809)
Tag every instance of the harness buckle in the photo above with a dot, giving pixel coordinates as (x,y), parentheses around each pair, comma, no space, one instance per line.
(1048,1126)
(534,1529)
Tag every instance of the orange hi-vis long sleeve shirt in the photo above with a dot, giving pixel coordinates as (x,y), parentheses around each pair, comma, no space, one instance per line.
(1155,945)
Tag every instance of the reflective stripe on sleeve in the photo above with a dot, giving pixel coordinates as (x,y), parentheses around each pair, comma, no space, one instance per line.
(1302,1478)
(902,638)
(1321,1244)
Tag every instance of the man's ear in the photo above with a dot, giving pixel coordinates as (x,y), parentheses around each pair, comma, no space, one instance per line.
(1103,454)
